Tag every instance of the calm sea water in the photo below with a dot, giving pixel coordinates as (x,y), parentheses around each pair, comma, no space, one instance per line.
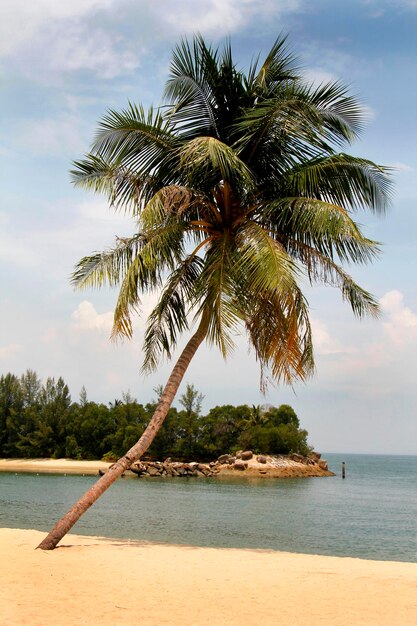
(371,514)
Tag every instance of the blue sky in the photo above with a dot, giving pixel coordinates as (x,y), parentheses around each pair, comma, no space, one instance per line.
(63,64)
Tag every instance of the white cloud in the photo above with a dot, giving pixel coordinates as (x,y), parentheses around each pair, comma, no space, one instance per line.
(317,76)
(218,17)
(94,50)
(401,326)
(87,34)
(64,233)
(322,341)
(50,136)
(45,38)
(376,356)
(86,318)
(10,350)
(21,20)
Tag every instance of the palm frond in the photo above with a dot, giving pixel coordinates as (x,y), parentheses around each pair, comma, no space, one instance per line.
(108,267)
(326,227)
(125,189)
(342,179)
(169,317)
(280,65)
(193,69)
(321,268)
(134,136)
(209,161)
(216,295)
(342,114)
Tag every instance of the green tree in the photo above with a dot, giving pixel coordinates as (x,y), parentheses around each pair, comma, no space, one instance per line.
(11,414)
(238,187)
(222,428)
(189,426)
(284,414)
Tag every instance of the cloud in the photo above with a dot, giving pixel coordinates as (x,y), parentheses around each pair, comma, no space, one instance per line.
(45,38)
(322,341)
(10,350)
(376,356)
(317,76)
(86,318)
(53,136)
(22,20)
(65,232)
(218,17)
(401,327)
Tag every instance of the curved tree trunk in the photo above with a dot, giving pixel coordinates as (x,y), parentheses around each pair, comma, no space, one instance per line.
(115,471)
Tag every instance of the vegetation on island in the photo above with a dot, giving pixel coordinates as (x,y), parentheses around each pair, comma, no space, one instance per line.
(40,420)
(240,190)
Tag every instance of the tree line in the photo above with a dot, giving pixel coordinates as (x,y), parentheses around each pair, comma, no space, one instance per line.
(40,420)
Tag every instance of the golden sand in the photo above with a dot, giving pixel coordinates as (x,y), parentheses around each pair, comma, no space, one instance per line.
(92,581)
(55,466)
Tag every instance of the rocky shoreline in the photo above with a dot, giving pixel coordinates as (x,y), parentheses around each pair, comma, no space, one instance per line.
(243,463)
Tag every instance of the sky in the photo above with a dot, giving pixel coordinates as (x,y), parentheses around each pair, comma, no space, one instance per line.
(64,64)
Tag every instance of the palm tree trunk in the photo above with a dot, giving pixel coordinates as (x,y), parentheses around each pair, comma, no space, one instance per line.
(115,471)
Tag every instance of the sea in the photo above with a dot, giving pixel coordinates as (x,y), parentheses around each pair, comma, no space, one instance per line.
(370,514)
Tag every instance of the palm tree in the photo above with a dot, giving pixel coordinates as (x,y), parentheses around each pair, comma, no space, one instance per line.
(239,191)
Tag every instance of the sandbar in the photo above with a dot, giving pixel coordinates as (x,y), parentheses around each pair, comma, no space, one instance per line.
(53,466)
(91,581)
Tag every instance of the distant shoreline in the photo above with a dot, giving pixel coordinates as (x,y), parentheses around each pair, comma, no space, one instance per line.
(292,469)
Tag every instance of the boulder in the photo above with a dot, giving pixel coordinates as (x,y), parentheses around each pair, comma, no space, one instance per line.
(138,468)
(224,458)
(239,454)
(261,459)
(240,465)
(316,456)
(323,465)
(298,458)
(153,471)
(246,455)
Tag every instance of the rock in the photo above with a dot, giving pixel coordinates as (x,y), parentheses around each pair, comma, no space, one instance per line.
(231,460)
(261,459)
(138,468)
(239,454)
(245,456)
(224,458)
(154,471)
(323,465)
(316,456)
(298,458)
(240,465)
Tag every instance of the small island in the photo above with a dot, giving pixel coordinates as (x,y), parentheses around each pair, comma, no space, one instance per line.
(43,430)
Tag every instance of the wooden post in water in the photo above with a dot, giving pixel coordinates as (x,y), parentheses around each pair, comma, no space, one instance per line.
(343,469)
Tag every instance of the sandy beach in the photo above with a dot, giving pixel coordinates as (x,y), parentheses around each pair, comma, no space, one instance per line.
(92,581)
(52,466)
